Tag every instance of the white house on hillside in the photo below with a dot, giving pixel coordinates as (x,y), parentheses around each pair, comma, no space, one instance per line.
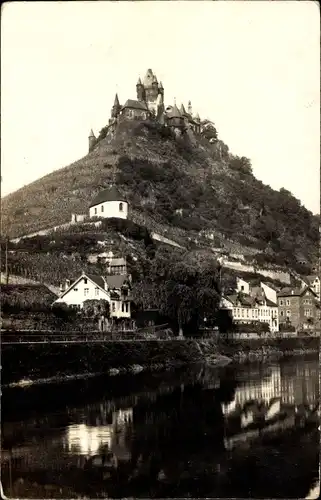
(109,203)
(114,289)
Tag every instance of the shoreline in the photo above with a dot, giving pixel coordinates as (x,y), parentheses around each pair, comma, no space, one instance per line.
(24,365)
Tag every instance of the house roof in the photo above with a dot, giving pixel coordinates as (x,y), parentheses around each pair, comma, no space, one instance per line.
(290,292)
(311,277)
(174,112)
(116,281)
(244,300)
(98,280)
(132,104)
(95,278)
(294,292)
(110,194)
(270,303)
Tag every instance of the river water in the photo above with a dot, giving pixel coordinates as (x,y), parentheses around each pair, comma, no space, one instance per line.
(162,435)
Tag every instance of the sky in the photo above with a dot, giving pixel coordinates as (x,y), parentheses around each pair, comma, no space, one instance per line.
(252,67)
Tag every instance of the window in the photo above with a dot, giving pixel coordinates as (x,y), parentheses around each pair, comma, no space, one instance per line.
(96,291)
(288,313)
(282,313)
(242,288)
(102,208)
(127,307)
(123,307)
(95,210)
(75,289)
(307,312)
(85,281)
(113,306)
(242,313)
(288,302)
(86,291)
(281,302)
(121,207)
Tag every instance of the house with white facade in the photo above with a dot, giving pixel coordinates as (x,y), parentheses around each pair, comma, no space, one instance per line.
(252,304)
(109,203)
(314,282)
(115,289)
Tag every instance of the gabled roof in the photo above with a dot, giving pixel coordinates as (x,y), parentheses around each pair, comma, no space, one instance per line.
(295,292)
(98,280)
(132,104)
(110,194)
(94,278)
(116,281)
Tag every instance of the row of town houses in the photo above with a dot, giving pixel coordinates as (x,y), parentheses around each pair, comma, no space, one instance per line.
(295,306)
(298,307)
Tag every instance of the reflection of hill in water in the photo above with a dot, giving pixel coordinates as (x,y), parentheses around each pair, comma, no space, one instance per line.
(169,441)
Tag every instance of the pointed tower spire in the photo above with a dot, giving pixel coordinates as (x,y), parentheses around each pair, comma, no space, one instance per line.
(139,81)
(92,134)
(190,110)
(116,101)
(182,110)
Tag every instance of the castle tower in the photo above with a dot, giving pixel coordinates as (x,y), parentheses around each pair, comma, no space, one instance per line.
(189,108)
(91,140)
(161,89)
(140,90)
(151,90)
(116,107)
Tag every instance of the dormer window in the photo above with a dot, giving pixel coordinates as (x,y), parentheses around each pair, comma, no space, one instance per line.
(121,207)
(102,208)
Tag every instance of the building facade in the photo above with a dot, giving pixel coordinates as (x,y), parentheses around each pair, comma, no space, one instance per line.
(109,203)
(298,307)
(114,289)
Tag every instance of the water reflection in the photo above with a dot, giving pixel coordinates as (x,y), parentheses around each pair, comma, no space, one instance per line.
(221,433)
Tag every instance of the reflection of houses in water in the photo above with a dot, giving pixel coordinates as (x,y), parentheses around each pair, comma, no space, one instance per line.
(294,385)
(90,440)
(261,390)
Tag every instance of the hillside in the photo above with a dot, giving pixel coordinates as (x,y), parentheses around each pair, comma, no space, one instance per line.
(189,189)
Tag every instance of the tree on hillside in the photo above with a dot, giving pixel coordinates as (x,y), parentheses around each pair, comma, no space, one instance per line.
(189,292)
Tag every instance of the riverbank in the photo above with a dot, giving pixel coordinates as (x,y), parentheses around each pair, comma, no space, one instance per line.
(25,364)
(29,363)
(247,350)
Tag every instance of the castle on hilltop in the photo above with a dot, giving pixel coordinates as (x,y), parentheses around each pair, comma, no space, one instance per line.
(150,104)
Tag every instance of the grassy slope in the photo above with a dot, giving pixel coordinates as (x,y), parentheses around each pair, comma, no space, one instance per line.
(218,193)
